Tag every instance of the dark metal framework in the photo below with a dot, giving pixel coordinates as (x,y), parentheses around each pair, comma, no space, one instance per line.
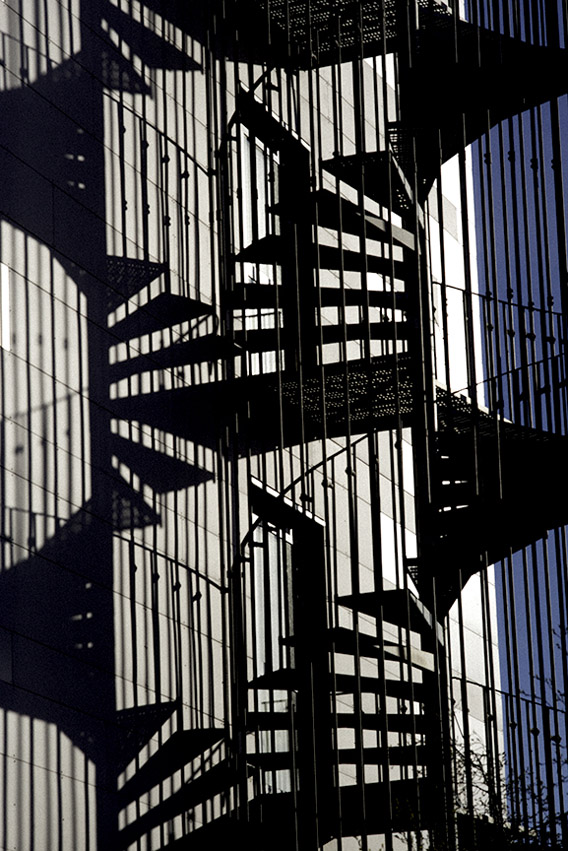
(358,612)
(330,169)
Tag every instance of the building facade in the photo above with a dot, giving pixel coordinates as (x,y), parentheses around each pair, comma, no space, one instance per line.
(282,377)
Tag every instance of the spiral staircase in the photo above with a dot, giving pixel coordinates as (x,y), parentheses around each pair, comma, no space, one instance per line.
(309,395)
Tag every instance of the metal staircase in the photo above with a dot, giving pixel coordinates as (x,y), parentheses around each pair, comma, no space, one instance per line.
(323,692)
(290,374)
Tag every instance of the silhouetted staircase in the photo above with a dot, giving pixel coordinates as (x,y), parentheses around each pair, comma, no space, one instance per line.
(304,395)
(409,787)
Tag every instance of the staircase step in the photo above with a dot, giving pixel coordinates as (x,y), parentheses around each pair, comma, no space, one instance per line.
(408,722)
(313,40)
(358,331)
(271,339)
(400,608)
(343,641)
(369,172)
(330,205)
(404,755)
(405,690)
(262,296)
(161,312)
(284,678)
(373,404)
(349,684)
(386,299)
(287,678)
(272,250)
(333,257)
(270,129)
(512,77)
(267,251)
(396,722)
(414,655)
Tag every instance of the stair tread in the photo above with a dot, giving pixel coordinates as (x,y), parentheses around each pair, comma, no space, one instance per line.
(352,220)
(403,755)
(373,168)
(288,678)
(272,250)
(373,403)
(269,339)
(400,607)
(259,296)
(396,721)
